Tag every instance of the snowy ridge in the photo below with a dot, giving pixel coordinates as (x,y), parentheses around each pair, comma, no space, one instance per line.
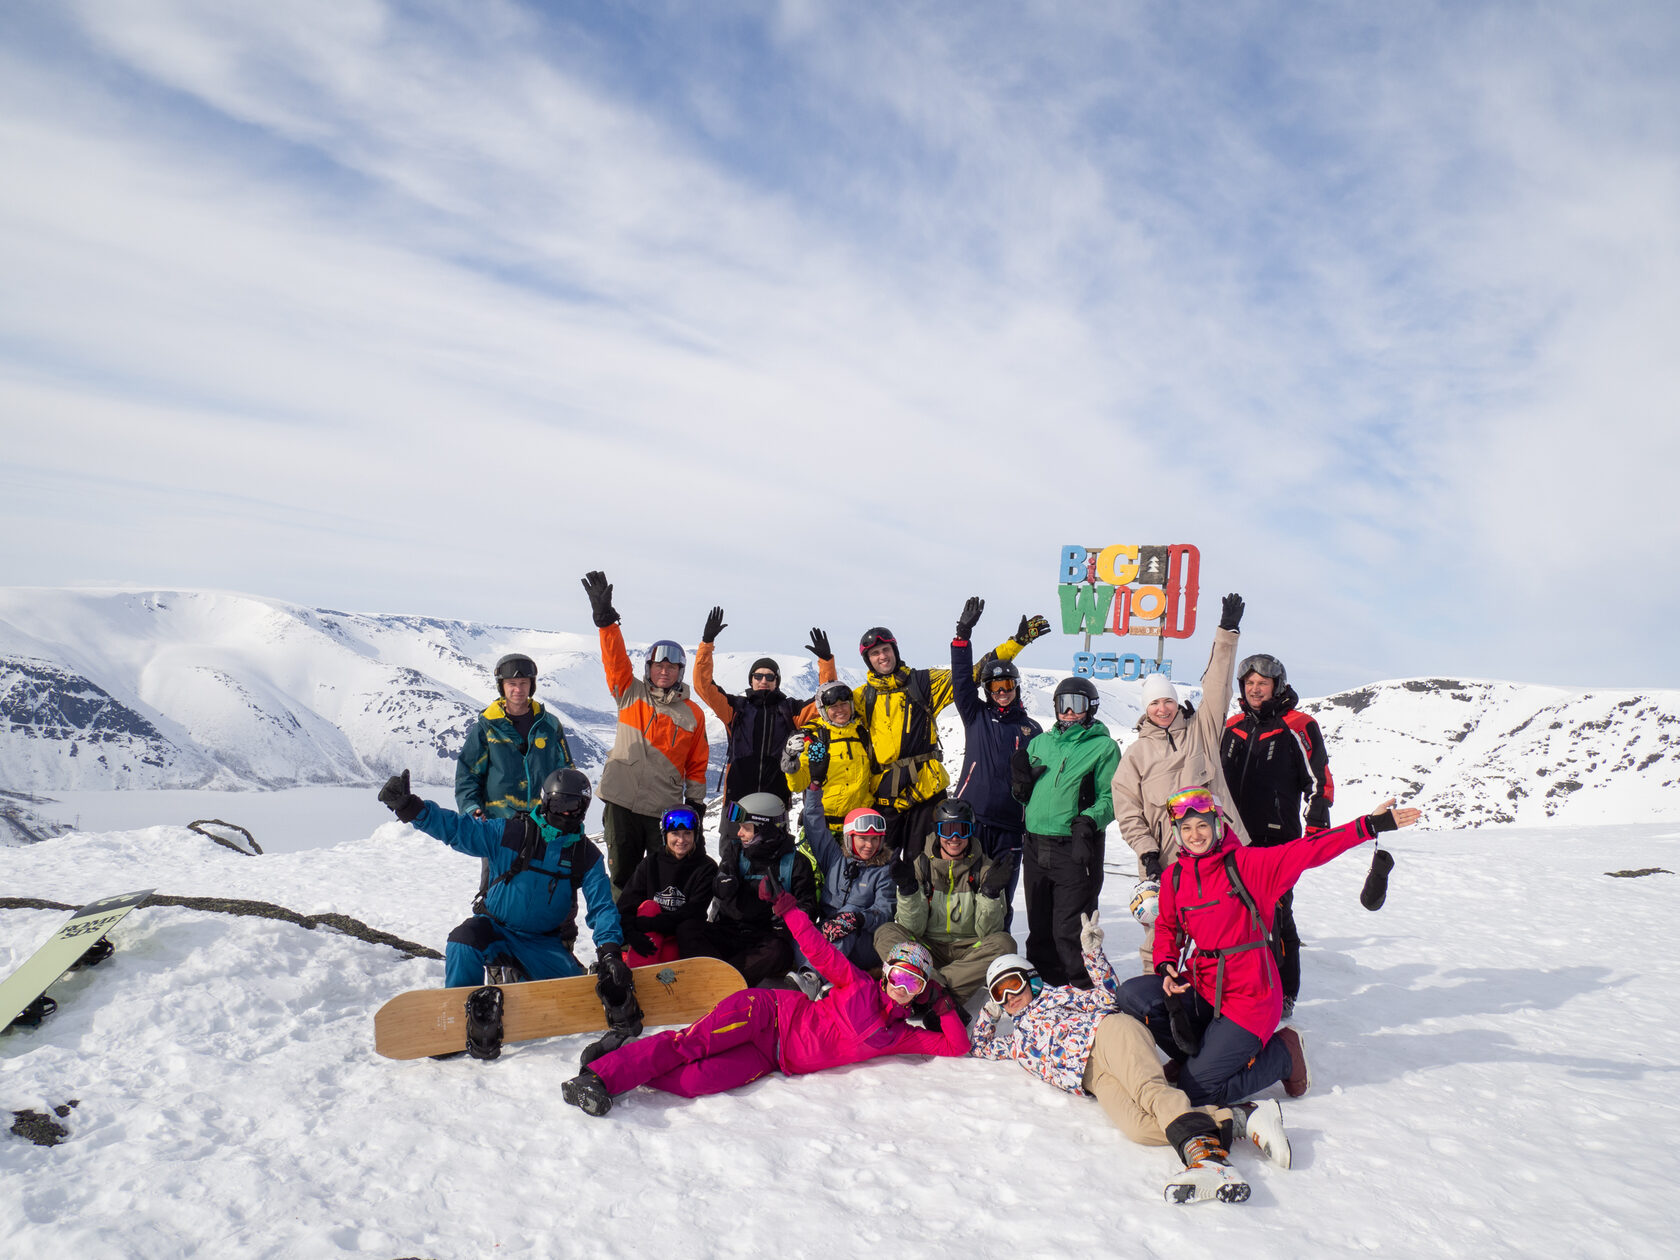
(199,689)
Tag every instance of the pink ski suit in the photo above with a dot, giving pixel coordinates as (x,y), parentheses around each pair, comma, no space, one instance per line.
(753,1031)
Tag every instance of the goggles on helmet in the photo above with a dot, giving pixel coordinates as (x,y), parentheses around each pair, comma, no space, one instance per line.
(671,652)
(567,806)
(1072,702)
(904,976)
(834,693)
(515,667)
(1011,983)
(870,824)
(1003,683)
(953,828)
(739,815)
(680,819)
(875,639)
(1262,664)
(1195,800)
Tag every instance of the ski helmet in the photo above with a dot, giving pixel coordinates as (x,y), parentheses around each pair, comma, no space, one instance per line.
(765,811)
(515,665)
(830,695)
(565,799)
(1013,965)
(909,956)
(953,818)
(682,818)
(1196,802)
(875,637)
(993,670)
(1079,695)
(665,650)
(1264,665)
(1146,901)
(863,821)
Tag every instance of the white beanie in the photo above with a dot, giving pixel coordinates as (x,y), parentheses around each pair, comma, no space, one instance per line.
(1158,687)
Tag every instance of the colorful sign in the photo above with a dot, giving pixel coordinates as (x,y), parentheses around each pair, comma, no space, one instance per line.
(1127,589)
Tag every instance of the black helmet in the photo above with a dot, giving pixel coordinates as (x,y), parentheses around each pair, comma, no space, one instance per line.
(874,637)
(1081,693)
(993,670)
(953,818)
(515,665)
(565,799)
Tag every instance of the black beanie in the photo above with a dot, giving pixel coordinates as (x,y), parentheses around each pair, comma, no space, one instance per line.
(765,662)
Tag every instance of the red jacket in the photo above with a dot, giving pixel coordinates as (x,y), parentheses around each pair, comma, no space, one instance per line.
(1199,908)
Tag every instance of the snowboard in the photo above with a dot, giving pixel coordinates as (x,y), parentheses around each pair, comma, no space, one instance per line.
(425,1022)
(84,929)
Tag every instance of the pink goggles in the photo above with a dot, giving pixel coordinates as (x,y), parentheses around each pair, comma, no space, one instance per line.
(1196,800)
(908,978)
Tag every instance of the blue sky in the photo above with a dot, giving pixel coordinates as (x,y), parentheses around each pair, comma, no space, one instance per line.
(838,313)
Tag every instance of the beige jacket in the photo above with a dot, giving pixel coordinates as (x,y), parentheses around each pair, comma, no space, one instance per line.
(1164,759)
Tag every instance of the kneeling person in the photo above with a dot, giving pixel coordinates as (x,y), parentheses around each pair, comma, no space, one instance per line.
(664,904)
(950,899)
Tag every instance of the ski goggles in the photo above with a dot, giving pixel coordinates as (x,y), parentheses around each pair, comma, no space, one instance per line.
(1011,983)
(1260,663)
(663,653)
(738,815)
(835,693)
(679,820)
(516,667)
(903,976)
(995,685)
(953,829)
(875,639)
(1196,800)
(1073,702)
(870,824)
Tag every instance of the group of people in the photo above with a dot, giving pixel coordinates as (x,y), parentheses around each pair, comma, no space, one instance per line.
(890,917)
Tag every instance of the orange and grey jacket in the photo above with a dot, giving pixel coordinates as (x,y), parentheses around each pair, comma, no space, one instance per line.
(659,757)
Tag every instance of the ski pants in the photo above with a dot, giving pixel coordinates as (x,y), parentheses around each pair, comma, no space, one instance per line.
(1286,945)
(1001,845)
(909,828)
(1059,890)
(959,965)
(734,1044)
(630,837)
(1232,1063)
(482,942)
(1124,1074)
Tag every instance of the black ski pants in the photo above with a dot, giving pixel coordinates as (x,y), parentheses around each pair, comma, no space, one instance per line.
(910,826)
(1002,844)
(1058,891)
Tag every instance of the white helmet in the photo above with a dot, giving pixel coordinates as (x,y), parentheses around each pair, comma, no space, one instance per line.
(1146,901)
(1008,964)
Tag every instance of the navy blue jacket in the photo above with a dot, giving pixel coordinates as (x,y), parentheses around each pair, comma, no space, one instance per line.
(540,897)
(993,735)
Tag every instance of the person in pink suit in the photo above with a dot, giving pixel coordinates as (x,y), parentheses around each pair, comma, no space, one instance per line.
(756,1031)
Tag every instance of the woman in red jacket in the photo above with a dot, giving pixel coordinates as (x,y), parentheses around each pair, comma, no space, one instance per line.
(1215,998)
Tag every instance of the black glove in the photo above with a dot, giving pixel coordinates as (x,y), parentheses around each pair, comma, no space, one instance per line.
(904,875)
(727,885)
(1087,841)
(1150,863)
(613,979)
(996,882)
(1023,775)
(396,797)
(1033,627)
(1183,1031)
(816,757)
(1230,612)
(924,1012)
(665,922)
(714,623)
(818,647)
(599,590)
(1375,891)
(638,940)
(972,609)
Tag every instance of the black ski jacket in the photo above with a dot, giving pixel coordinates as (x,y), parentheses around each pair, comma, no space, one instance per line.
(1274,759)
(991,738)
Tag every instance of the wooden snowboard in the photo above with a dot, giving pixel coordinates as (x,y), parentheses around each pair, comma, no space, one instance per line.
(423,1022)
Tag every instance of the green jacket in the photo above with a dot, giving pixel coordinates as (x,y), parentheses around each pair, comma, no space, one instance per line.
(949,908)
(503,774)
(1080,761)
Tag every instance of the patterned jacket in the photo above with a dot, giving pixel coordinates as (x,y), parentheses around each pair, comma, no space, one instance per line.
(1053,1036)
(661,752)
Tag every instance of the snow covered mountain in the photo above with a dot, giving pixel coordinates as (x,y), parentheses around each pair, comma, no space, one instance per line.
(201,689)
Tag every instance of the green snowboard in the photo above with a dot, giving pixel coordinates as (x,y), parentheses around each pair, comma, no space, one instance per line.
(84,929)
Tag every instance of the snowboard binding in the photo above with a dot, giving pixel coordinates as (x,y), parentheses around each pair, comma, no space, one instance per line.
(32,1015)
(96,953)
(484,1023)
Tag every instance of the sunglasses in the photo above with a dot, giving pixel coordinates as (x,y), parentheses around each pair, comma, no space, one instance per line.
(764,675)
(953,829)
(1196,800)
(910,979)
(868,825)
(1075,703)
(1009,984)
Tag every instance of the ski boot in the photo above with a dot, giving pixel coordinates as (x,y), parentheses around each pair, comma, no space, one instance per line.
(588,1093)
(1262,1124)
(1299,1080)
(1208,1175)
(484,1023)
(809,982)
(616,988)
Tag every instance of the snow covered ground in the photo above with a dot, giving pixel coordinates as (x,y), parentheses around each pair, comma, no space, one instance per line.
(1494,1058)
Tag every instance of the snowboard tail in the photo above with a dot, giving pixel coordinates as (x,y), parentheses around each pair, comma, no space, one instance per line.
(425,1022)
(79,936)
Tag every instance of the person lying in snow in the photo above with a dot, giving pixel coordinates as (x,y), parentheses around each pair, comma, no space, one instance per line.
(1077,1041)
(753,1032)
(1215,999)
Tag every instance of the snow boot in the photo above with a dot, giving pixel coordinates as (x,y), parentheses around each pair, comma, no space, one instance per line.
(595,1049)
(1262,1124)
(809,982)
(1299,1080)
(1208,1175)
(484,1023)
(588,1093)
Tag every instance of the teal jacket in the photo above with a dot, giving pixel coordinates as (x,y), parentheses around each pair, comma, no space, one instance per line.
(503,774)
(1080,763)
